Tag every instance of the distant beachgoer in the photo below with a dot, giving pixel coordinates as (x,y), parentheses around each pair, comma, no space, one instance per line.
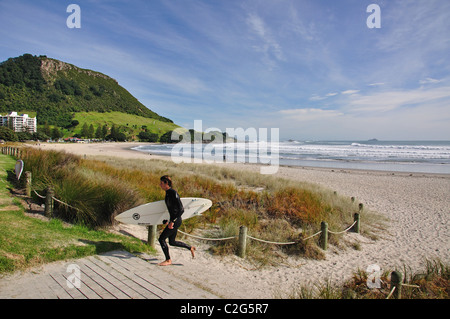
(176,209)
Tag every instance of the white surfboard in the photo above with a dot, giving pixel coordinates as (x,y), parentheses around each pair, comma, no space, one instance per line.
(19,168)
(154,213)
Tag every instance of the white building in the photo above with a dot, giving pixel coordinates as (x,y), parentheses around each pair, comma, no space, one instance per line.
(19,123)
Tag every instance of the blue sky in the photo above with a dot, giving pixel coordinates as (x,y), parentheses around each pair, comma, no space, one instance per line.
(311,68)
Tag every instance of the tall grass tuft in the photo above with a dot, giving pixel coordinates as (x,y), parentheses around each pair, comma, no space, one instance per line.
(90,198)
(430,283)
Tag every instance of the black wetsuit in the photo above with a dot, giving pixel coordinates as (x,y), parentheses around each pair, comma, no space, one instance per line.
(176,209)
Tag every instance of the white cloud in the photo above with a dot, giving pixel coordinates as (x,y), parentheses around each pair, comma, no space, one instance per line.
(316,97)
(430,81)
(392,100)
(402,114)
(350,92)
(270,47)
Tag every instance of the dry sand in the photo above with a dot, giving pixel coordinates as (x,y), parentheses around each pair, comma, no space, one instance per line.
(416,205)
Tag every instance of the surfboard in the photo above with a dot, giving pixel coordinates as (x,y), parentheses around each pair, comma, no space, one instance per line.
(19,168)
(155,212)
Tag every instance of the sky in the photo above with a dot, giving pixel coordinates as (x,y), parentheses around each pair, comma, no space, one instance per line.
(314,69)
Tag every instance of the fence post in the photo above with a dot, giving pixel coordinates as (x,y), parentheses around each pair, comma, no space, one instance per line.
(324,235)
(357,225)
(396,281)
(48,211)
(242,241)
(28,183)
(151,238)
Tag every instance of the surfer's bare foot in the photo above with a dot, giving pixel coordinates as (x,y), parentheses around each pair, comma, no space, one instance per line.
(193,251)
(166,263)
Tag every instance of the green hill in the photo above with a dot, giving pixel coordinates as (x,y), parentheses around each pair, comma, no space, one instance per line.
(58,91)
(131,124)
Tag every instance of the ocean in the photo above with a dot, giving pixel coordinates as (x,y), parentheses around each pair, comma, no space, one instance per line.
(395,156)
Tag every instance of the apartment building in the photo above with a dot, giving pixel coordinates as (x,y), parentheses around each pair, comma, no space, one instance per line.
(19,123)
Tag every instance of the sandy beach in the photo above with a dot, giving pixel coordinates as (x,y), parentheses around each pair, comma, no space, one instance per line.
(416,205)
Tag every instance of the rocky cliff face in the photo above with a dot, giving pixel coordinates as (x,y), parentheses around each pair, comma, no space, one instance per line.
(51,67)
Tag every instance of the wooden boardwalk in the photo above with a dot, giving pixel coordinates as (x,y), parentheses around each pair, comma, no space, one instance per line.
(113,275)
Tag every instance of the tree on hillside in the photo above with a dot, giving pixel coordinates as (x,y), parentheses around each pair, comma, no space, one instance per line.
(116,135)
(148,137)
(40,136)
(46,130)
(56,133)
(85,130)
(91,131)
(98,132)
(167,138)
(7,134)
(24,71)
(114,131)
(104,131)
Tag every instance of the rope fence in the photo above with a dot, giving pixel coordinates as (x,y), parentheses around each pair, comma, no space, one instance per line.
(49,198)
(204,238)
(397,284)
(243,236)
(258,239)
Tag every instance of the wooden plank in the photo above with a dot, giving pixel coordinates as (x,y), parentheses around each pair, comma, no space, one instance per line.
(157,275)
(88,286)
(44,288)
(154,275)
(57,290)
(150,291)
(117,274)
(97,283)
(103,278)
(130,287)
(73,292)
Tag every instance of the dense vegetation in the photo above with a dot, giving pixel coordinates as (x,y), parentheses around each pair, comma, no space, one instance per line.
(56,90)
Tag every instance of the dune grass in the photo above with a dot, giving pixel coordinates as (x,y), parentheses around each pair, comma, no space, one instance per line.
(271,208)
(26,241)
(432,282)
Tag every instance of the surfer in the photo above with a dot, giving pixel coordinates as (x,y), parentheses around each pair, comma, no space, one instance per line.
(176,209)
